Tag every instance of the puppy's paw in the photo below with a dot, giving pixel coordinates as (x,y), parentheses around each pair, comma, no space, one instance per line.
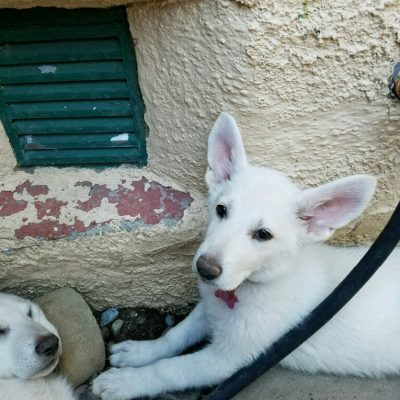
(126,359)
(134,353)
(119,384)
(122,347)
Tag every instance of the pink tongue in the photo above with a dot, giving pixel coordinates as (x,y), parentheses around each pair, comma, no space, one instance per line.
(228,297)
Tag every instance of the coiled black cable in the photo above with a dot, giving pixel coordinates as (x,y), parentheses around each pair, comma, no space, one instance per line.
(354,281)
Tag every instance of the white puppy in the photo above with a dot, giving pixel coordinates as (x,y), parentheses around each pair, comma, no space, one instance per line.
(263,268)
(30,348)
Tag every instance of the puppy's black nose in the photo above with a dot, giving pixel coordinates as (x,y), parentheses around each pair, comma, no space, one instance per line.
(47,345)
(208,268)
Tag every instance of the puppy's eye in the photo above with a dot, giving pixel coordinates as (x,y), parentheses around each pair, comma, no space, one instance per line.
(221,210)
(29,312)
(262,235)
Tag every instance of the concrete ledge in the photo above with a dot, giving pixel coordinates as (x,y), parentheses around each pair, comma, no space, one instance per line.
(281,384)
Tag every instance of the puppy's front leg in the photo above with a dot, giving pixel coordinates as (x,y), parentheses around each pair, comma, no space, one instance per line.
(204,368)
(190,331)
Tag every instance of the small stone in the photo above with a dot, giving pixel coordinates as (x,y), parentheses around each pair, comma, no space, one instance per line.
(141,319)
(116,326)
(132,315)
(169,321)
(108,316)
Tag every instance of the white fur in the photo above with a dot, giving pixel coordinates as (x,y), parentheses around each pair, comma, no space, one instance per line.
(23,372)
(278,282)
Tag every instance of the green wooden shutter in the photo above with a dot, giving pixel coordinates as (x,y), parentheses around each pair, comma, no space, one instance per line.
(69,92)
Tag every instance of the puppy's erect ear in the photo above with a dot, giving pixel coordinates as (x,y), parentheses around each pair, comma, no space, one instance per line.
(226,153)
(335,204)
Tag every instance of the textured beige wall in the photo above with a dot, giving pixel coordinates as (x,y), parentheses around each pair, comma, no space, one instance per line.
(307,85)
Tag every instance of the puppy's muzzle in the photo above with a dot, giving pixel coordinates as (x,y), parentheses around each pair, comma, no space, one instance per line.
(47,346)
(208,268)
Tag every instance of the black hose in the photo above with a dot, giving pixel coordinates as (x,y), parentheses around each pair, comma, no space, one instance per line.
(354,281)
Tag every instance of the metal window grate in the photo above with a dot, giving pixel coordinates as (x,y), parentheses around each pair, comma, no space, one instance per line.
(68,87)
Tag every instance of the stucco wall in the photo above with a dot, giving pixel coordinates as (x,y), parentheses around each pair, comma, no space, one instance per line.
(307,85)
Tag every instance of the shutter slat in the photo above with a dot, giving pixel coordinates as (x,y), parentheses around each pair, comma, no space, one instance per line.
(90,141)
(61,109)
(74,125)
(65,72)
(59,51)
(82,156)
(65,91)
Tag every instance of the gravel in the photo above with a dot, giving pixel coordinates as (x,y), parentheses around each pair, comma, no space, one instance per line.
(135,324)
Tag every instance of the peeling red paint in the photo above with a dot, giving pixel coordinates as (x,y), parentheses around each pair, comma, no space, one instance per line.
(50,207)
(150,201)
(9,205)
(96,194)
(33,190)
(52,229)
(49,229)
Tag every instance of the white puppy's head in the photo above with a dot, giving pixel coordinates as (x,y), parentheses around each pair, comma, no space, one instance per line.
(30,346)
(258,217)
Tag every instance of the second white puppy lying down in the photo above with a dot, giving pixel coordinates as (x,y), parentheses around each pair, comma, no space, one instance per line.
(30,348)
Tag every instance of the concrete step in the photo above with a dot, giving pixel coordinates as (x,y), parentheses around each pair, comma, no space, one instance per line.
(282,384)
